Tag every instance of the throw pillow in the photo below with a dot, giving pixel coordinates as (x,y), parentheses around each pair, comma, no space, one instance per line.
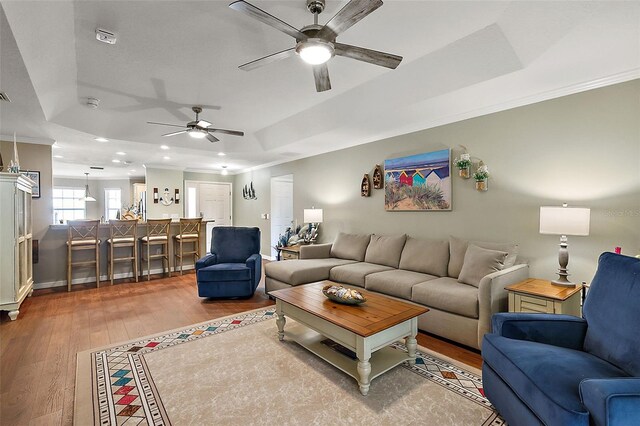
(350,246)
(385,250)
(426,256)
(458,248)
(479,262)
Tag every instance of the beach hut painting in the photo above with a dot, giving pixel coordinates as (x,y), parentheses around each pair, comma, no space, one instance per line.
(419,182)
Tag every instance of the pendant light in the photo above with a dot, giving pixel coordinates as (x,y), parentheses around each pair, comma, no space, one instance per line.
(87,195)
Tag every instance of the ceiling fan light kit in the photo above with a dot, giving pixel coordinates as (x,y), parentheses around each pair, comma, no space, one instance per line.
(197,129)
(316,44)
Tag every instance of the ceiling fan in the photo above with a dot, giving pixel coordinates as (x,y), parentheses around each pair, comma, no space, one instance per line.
(199,129)
(316,44)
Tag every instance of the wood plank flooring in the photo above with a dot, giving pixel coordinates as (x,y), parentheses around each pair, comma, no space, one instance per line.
(38,351)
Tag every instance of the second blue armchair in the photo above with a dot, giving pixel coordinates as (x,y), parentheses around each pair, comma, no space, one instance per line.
(234,267)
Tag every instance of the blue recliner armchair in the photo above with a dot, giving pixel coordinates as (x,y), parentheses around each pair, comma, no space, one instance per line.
(234,267)
(563,370)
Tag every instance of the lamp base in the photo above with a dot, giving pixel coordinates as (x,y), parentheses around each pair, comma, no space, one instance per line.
(563,281)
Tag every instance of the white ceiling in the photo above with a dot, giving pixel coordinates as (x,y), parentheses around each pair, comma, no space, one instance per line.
(461,59)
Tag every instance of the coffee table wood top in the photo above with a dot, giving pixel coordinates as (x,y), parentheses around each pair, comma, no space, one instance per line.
(377,314)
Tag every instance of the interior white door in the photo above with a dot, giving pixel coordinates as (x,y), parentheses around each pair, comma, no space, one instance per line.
(281,207)
(214,205)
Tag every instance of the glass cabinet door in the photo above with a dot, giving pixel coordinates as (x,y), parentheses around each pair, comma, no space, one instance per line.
(20,206)
(27,212)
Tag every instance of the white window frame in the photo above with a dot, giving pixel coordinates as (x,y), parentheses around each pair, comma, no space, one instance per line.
(77,190)
(107,207)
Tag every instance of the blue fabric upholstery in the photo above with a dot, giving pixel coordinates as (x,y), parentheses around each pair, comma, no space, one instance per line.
(234,267)
(562,370)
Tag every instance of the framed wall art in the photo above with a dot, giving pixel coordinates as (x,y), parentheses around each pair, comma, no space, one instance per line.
(34,176)
(419,182)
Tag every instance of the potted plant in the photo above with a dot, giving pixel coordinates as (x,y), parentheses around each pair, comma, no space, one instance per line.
(463,164)
(481,177)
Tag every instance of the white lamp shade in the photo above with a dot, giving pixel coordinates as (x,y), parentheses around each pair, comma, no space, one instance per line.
(564,220)
(312,216)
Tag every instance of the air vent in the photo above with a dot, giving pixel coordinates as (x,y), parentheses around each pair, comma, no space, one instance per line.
(96,168)
(4,97)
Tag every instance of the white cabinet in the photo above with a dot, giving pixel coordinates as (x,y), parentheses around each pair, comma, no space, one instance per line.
(16,266)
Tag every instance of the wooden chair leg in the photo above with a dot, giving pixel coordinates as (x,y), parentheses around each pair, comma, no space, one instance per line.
(69,260)
(135,260)
(167,257)
(97,265)
(149,261)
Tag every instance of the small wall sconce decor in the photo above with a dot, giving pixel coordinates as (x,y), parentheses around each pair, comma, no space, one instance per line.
(248,193)
(481,176)
(155,196)
(377,177)
(365,186)
(166,199)
(176,196)
(463,164)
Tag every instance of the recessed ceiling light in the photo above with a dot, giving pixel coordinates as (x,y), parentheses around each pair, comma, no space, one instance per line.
(166,158)
(164,147)
(221,154)
(101,139)
(58,156)
(224,170)
(115,160)
(132,170)
(121,153)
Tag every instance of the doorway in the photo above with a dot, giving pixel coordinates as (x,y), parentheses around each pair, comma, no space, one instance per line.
(281,208)
(211,201)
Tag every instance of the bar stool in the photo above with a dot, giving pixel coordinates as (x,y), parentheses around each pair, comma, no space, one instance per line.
(189,233)
(82,235)
(157,235)
(122,233)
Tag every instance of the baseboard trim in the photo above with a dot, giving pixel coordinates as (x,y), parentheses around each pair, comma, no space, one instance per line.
(267,257)
(92,279)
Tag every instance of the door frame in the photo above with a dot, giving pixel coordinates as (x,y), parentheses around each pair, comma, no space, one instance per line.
(282,178)
(198,182)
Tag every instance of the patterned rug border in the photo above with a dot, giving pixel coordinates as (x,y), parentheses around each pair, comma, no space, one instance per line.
(118,374)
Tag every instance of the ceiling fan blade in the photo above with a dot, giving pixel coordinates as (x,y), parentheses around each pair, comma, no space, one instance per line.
(175,133)
(349,15)
(203,123)
(212,138)
(321,75)
(264,17)
(165,124)
(227,132)
(367,55)
(268,59)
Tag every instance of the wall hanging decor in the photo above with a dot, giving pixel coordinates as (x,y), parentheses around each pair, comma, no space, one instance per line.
(166,199)
(176,196)
(463,164)
(365,186)
(248,193)
(418,182)
(481,176)
(377,177)
(155,196)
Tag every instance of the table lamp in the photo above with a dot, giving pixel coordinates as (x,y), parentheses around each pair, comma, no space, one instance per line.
(313,217)
(564,221)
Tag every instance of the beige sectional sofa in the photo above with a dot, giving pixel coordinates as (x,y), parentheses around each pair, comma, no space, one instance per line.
(461,282)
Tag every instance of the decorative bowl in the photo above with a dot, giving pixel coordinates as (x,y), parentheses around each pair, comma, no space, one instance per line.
(343,295)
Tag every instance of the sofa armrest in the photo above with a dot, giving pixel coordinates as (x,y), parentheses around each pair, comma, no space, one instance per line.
(315,251)
(565,331)
(254,262)
(492,297)
(208,260)
(612,402)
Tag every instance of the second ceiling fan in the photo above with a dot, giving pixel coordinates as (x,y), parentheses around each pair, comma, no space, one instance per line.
(198,129)
(315,43)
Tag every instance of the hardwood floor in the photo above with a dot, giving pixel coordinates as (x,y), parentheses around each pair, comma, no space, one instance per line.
(38,350)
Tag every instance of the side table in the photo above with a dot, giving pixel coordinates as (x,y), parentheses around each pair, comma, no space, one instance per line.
(536,295)
(291,252)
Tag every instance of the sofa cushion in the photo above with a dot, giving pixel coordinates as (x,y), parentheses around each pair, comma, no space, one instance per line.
(225,272)
(548,376)
(479,262)
(611,310)
(458,248)
(385,250)
(426,256)
(295,272)
(447,294)
(355,273)
(350,246)
(396,282)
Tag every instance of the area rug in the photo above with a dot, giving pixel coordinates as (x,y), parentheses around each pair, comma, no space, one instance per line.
(234,371)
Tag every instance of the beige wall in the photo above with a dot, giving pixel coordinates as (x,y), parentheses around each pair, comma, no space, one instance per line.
(37,158)
(582,149)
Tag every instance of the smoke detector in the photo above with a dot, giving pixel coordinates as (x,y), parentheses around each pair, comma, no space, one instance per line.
(105,36)
(93,103)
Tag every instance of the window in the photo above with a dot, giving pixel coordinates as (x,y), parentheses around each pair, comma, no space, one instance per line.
(112,202)
(67,204)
